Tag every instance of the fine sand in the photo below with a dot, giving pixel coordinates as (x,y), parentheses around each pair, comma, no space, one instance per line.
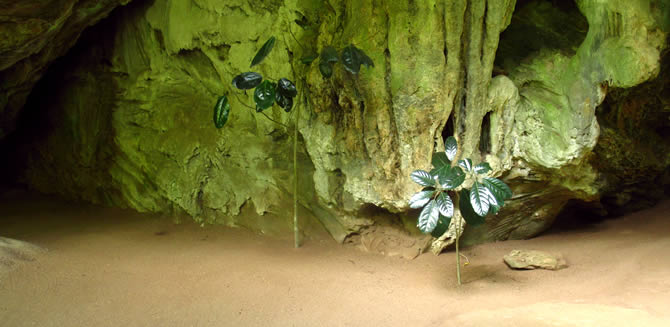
(111,267)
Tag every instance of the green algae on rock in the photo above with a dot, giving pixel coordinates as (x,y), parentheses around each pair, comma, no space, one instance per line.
(132,113)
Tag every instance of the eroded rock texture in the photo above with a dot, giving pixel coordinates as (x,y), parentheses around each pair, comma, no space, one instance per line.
(562,76)
(131,121)
(127,116)
(632,150)
(32,34)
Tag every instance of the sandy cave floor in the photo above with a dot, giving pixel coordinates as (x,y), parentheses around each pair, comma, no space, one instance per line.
(111,267)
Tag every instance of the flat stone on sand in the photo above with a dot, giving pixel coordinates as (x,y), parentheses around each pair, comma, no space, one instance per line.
(532,259)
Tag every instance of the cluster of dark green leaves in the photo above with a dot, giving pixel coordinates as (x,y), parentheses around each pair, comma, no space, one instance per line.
(351,57)
(487,194)
(266,92)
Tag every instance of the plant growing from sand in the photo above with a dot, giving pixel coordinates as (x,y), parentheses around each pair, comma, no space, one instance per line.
(457,190)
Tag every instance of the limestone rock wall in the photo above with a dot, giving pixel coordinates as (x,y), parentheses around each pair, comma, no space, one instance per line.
(130,122)
(632,150)
(33,33)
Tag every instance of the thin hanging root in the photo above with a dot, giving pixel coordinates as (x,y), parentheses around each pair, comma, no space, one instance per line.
(467,261)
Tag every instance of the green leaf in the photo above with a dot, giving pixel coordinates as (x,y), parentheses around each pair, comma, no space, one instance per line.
(221,111)
(350,60)
(466,164)
(442,226)
(363,58)
(440,160)
(419,199)
(451,147)
(264,95)
(326,69)
(451,178)
(498,188)
(480,198)
(329,55)
(263,52)
(308,59)
(284,101)
(445,205)
(468,213)
(493,202)
(286,88)
(440,171)
(441,164)
(422,178)
(428,217)
(248,80)
(482,168)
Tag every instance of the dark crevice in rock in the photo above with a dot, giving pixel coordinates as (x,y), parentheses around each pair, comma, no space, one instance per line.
(578,215)
(161,40)
(45,108)
(387,84)
(303,22)
(39,32)
(199,200)
(631,153)
(540,25)
(448,129)
(461,98)
(485,135)
(336,180)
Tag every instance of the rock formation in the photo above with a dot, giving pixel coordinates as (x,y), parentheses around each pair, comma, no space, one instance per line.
(533,259)
(126,115)
(33,33)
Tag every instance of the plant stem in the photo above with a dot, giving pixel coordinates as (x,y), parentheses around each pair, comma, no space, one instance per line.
(262,113)
(296,231)
(458,255)
(272,120)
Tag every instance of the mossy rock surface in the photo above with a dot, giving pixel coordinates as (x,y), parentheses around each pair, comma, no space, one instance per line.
(128,120)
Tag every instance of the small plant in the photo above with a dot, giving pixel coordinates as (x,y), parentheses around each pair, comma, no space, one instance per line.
(283,91)
(266,92)
(456,187)
(351,57)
